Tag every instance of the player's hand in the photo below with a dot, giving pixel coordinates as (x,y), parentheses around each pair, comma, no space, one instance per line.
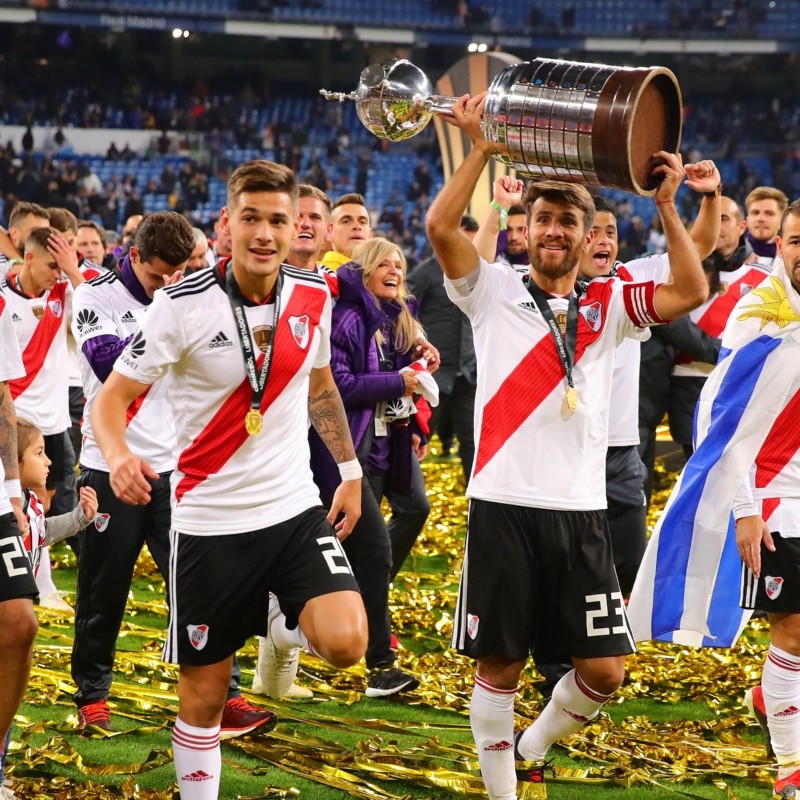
(174,278)
(420,449)
(750,532)
(703,176)
(347,504)
(467,114)
(670,165)
(427,351)
(63,254)
(88,500)
(22,518)
(507,191)
(129,479)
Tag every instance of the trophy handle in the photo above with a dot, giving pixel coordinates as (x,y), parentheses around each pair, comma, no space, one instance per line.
(340,96)
(440,104)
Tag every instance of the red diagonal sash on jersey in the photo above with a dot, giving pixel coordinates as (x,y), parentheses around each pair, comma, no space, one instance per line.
(716,315)
(44,335)
(781,444)
(136,405)
(524,389)
(225,432)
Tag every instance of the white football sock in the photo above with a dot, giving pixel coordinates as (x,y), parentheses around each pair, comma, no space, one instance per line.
(573,703)
(491,717)
(286,639)
(780,683)
(198,760)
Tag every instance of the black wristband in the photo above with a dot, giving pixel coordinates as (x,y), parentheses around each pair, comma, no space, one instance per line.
(716,193)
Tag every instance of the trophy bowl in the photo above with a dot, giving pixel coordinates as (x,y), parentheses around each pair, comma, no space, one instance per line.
(595,124)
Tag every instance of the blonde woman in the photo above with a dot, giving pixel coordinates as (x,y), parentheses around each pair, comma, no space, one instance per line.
(373,337)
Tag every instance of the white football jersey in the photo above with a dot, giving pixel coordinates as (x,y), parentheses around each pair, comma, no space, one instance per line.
(40,324)
(530,450)
(713,314)
(104,306)
(10,368)
(227,481)
(623,421)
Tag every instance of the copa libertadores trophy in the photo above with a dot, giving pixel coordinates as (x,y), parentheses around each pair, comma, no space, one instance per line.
(564,120)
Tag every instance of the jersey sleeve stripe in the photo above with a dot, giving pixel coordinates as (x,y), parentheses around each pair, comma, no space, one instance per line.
(303,274)
(638,298)
(194,284)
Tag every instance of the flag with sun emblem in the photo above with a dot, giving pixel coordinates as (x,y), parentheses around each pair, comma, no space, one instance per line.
(688,586)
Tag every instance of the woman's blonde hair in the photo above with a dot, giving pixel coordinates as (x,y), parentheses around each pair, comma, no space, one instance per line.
(370,255)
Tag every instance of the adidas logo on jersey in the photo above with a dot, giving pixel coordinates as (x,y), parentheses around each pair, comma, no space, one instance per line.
(529,306)
(197,775)
(220,340)
(128,318)
(87,321)
(16,317)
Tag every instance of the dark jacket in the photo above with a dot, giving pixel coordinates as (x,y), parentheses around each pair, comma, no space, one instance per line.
(356,370)
(446,326)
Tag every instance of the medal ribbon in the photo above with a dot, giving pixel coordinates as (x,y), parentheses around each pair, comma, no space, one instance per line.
(258,378)
(565,345)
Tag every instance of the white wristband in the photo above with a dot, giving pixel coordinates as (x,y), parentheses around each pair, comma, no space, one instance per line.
(351,470)
(12,487)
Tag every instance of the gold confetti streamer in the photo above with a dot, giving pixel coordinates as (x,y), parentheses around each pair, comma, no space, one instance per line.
(674,755)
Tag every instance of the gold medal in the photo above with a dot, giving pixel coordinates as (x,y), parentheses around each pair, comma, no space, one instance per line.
(572,398)
(253,422)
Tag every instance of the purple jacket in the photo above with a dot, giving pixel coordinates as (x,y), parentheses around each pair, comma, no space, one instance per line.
(356,370)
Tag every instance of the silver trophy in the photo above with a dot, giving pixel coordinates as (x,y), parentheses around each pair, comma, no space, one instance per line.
(564,120)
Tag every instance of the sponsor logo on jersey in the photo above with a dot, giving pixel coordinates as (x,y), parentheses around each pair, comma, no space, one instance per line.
(300,332)
(101,521)
(529,306)
(198,636)
(16,317)
(787,712)
(137,346)
(773,586)
(472,625)
(196,776)
(56,306)
(128,318)
(263,335)
(87,321)
(497,747)
(593,314)
(220,340)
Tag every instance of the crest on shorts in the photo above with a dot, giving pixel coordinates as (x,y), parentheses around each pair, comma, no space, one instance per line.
(56,306)
(773,586)
(472,625)
(263,336)
(101,521)
(198,636)
(593,315)
(300,330)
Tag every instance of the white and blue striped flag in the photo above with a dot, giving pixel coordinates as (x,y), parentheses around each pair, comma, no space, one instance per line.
(688,586)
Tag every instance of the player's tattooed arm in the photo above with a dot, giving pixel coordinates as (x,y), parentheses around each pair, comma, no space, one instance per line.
(8,433)
(326,412)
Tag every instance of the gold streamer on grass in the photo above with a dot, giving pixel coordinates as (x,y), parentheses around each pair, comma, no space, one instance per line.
(392,755)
